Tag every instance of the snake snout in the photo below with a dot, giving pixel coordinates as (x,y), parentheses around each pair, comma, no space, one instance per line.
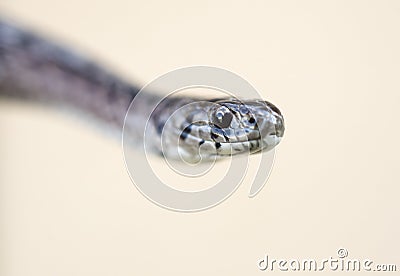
(279,127)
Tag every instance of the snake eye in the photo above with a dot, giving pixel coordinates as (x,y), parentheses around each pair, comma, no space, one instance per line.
(222,117)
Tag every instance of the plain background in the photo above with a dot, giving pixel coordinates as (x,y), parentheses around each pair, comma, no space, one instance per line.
(67,206)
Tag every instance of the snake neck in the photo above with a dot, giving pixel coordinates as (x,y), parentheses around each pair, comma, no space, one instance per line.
(34,69)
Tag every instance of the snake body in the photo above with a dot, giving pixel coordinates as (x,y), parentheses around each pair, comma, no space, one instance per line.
(32,68)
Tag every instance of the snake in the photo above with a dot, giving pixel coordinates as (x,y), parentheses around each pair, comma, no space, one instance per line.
(35,69)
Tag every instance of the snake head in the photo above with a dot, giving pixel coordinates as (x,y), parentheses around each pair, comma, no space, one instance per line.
(244,126)
(215,128)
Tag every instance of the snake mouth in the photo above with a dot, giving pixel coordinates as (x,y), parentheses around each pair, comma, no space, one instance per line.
(215,141)
(250,146)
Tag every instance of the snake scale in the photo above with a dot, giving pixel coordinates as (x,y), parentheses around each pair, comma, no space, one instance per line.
(35,69)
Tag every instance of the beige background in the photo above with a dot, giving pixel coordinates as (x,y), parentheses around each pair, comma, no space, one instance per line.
(67,206)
